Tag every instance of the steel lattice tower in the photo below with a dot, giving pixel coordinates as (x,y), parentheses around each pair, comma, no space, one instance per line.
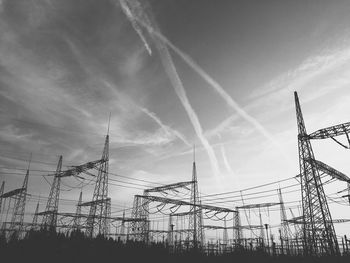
(262,233)
(286,233)
(196,217)
(49,221)
(16,225)
(170,236)
(1,193)
(140,229)
(318,230)
(237,232)
(76,223)
(98,222)
(35,218)
(225,233)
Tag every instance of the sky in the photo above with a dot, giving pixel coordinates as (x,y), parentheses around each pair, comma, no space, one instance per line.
(219,75)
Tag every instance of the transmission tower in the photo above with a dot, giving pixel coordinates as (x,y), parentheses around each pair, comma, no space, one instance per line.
(49,221)
(237,228)
(16,225)
(196,217)
(35,218)
(225,234)
(170,236)
(318,230)
(286,233)
(122,228)
(262,233)
(1,193)
(98,222)
(76,223)
(140,228)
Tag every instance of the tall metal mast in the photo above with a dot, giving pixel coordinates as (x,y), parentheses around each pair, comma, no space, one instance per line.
(49,221)
(318,230)
(98,222)
(196,217)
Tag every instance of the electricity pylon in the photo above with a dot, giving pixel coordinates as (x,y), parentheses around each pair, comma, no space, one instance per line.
(170,236)
(98,219)
(16,225)
(318,230)
(77,218)
(237,231)
(196,217)
(35,218)
(49,221)
(262,233)
(286,233)
(225,234)
(1,193)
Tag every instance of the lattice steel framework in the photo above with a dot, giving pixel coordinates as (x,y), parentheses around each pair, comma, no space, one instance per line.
(286,233)
(98,222)
(35,225)
(318,230)
(1,193)
(77,219)
(237,231)
(49,221)
(140,229)
(16,225)
(196,217)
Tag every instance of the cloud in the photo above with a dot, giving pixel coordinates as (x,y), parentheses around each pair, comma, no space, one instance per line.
(166,128)
(316,76)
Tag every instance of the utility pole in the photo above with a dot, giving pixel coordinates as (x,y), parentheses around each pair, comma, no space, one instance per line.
(267,237)
(318,230)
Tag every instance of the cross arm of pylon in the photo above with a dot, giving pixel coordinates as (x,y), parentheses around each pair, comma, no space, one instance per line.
(99,201)
(333,131)
(257,205)
(329,170)
(112,218)
(180,202)
(169,187)
(12,193)
(78,169)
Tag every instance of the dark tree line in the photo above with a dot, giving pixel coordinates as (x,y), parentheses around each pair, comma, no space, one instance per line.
(52,247)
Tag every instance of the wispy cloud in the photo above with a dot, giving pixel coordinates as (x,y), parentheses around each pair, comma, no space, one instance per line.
(166,128)
(316,76)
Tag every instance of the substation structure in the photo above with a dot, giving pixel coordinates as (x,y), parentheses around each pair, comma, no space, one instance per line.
(179,215)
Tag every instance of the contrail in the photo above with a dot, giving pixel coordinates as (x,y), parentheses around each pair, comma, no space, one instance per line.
(127,11)
(227,164)
(216,86)
(138,15)
(166,128)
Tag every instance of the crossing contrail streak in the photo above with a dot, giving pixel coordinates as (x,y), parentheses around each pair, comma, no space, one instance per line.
(127,11)
(166,127)
(217,87)
(137,14)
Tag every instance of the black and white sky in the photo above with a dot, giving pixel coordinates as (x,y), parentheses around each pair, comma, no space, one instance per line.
(172,73)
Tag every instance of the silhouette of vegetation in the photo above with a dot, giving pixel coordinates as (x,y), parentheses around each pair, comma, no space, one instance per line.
(52,247)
